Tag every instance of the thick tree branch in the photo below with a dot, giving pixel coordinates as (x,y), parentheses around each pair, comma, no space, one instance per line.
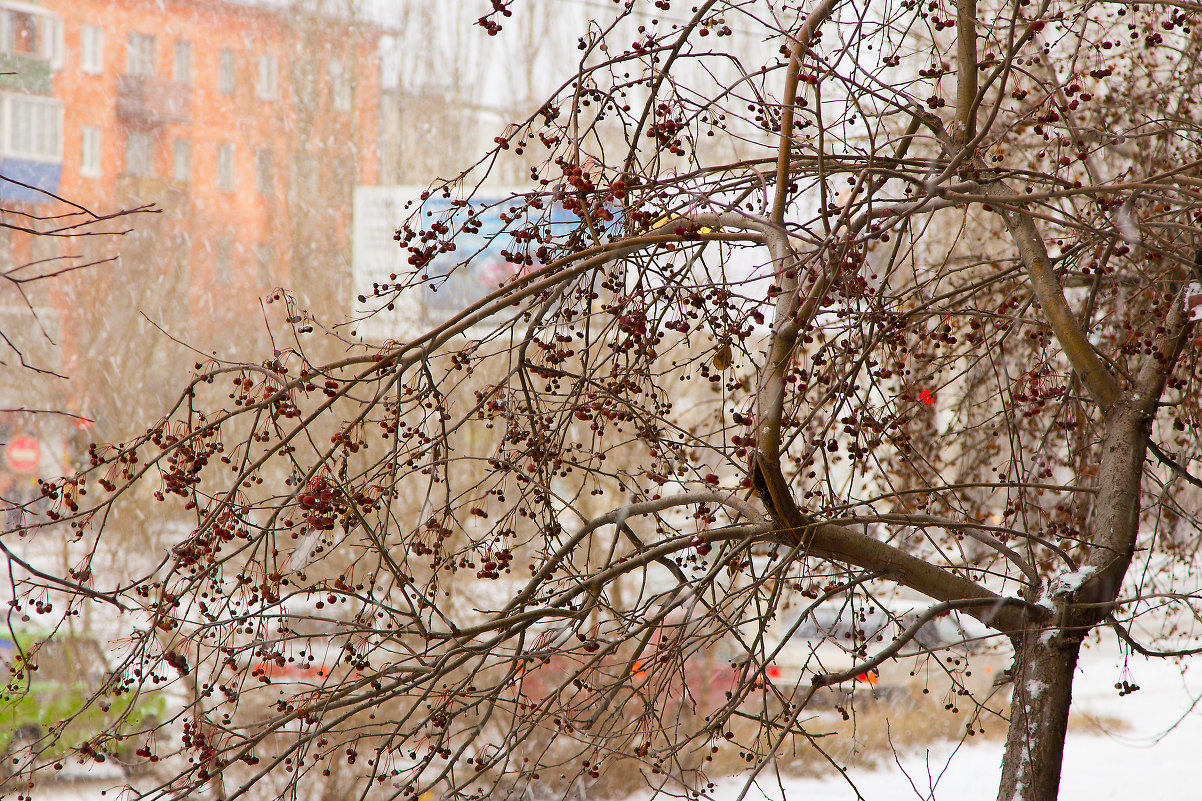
(966,69)
(801,43)
(975,532)
(1156,368)
(1120,472)
(1100,382)
(842,544)
(891,650)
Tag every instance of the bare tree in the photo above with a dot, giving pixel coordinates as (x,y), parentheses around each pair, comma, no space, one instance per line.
(46,247)
(43,244)
(806,303)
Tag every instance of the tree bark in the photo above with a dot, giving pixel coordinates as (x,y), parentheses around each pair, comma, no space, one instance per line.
(1045,659)
(1043,689)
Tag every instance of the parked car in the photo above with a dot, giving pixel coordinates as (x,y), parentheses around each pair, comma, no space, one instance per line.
(304,643)
(798,645)
(46,681)
(835,636)
(697,675)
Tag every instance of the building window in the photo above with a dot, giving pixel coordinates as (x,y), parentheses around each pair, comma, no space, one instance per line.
(91,49)
(89,161)
(225,72)
(340,87)
(264,261)
(181,256)
(139,153)
(139,54)
(225,167)
(267,77)
(390,62)
(181,63)
(265,171)
(20,31)
(223,260)
(35,128)
(52,41)
(181,160)
(32,33)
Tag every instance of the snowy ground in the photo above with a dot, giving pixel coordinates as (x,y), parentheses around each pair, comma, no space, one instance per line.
(1149,758)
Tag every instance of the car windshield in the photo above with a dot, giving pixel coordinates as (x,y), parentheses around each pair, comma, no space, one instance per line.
(852,626)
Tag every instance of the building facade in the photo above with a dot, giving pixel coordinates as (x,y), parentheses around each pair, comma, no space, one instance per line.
(246,124)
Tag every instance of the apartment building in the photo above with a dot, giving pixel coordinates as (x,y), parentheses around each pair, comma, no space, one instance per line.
(247,125)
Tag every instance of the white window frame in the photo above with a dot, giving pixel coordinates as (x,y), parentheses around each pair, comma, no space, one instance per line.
(268,76)
(140,53)
(38,120)
(223,260)
(140,145)
(52,41)
(49,32)
(265,171)
(226,167)
(89,151)
(181,61)
(340,87)
(389,50)
(181,160)
(91,49)
(264,261)
(227,73)
(181,256)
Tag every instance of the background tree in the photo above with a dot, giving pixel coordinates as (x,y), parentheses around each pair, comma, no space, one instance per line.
(876,296)
(45,250)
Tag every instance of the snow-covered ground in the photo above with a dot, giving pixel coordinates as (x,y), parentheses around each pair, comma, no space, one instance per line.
(1149,758)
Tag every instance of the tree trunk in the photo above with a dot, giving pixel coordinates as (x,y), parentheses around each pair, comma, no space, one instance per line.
(1045,659)
(1043,688)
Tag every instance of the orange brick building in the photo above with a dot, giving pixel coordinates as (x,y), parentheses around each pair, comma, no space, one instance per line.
(246,125)
(249,127)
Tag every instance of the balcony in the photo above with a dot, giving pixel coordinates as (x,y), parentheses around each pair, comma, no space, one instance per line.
(171,196)
(36,179)
(25,73)
(145,102)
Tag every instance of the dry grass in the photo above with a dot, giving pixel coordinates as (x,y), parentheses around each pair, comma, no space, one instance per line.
(1085,721)
(874,730)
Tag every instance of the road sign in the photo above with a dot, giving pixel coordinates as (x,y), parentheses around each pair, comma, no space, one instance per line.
(23,453)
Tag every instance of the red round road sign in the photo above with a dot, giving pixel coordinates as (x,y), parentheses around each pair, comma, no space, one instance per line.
(23,453)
